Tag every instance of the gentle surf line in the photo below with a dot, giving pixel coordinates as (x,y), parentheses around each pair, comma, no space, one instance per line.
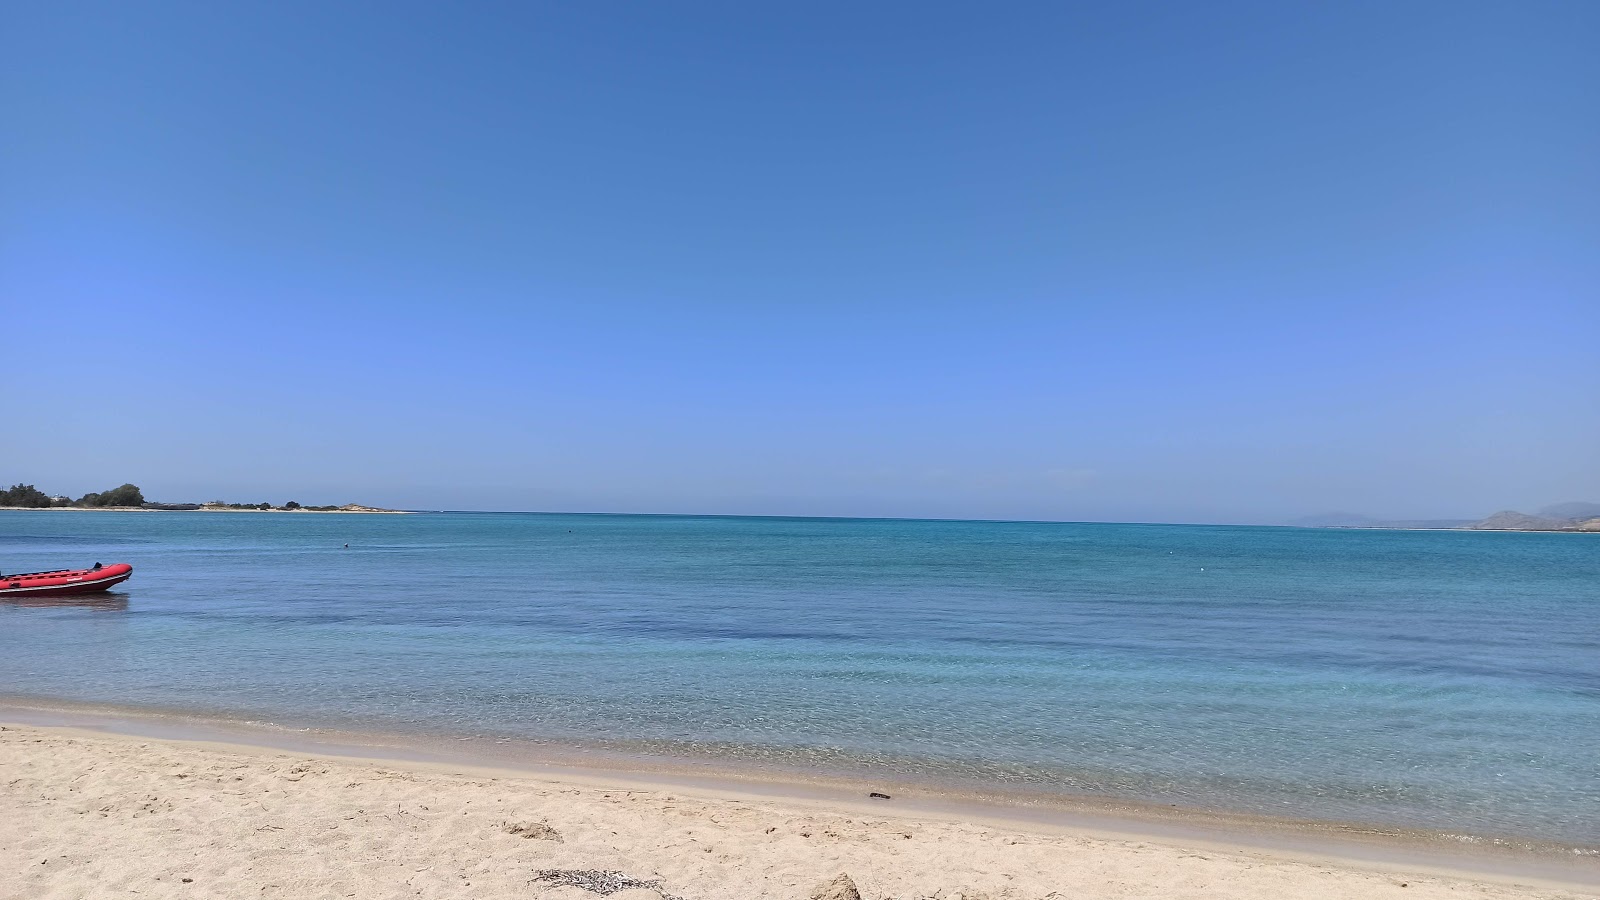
(1506,860)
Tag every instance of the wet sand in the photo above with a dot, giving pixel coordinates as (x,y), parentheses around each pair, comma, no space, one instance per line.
(108,803)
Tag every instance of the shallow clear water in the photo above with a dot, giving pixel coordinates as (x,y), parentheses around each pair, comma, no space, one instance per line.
(1429,679)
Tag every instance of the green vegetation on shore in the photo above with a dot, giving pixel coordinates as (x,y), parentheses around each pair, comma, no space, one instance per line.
(26,496)
(30,497)
(291,506)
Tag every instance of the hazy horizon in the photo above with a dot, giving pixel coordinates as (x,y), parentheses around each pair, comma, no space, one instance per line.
(318,499)
(1238,263)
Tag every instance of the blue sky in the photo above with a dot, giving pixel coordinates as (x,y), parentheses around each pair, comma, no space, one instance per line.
(1178,262)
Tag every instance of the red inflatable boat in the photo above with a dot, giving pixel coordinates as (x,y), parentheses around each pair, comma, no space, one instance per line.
(64,582)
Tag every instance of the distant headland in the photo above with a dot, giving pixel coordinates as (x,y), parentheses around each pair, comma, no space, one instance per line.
(128,497)
(1574,516)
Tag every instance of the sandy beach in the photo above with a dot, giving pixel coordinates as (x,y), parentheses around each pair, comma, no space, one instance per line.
(91,814)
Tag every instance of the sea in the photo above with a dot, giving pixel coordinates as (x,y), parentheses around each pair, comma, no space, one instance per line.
(1447,681)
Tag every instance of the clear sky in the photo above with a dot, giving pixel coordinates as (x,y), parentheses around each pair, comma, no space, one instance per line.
(1130,261)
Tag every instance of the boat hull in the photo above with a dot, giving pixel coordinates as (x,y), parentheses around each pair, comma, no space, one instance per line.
(66,582)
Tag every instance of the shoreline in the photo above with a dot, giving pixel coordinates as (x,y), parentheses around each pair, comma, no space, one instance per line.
(411,512)
(215,509)
(1442,530)
(1367,848)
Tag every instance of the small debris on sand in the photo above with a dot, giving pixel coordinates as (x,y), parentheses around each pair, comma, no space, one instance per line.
(603,882)
(533,831)
(841,888)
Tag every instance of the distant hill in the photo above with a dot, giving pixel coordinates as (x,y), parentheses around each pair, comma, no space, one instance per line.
(1576,511)
(1573,516)
(1511,520)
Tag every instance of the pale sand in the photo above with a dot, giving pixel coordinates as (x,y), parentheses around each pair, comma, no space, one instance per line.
(88,815)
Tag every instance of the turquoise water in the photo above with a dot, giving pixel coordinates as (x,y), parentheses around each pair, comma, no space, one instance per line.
(1428,679)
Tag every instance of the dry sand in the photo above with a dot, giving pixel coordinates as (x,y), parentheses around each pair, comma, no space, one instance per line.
(88,815)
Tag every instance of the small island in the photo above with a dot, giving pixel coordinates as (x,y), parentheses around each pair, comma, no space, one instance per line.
(129,497)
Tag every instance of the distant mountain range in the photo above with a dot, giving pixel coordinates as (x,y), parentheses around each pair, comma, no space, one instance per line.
(1574,516)
(1561,517)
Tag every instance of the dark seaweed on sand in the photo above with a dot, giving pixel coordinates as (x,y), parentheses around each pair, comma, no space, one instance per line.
(602,882)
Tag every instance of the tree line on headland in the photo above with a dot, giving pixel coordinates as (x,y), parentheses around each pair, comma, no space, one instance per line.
(27,496)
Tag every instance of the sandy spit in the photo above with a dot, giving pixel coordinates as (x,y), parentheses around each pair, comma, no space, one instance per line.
(88,815)
(351,509)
